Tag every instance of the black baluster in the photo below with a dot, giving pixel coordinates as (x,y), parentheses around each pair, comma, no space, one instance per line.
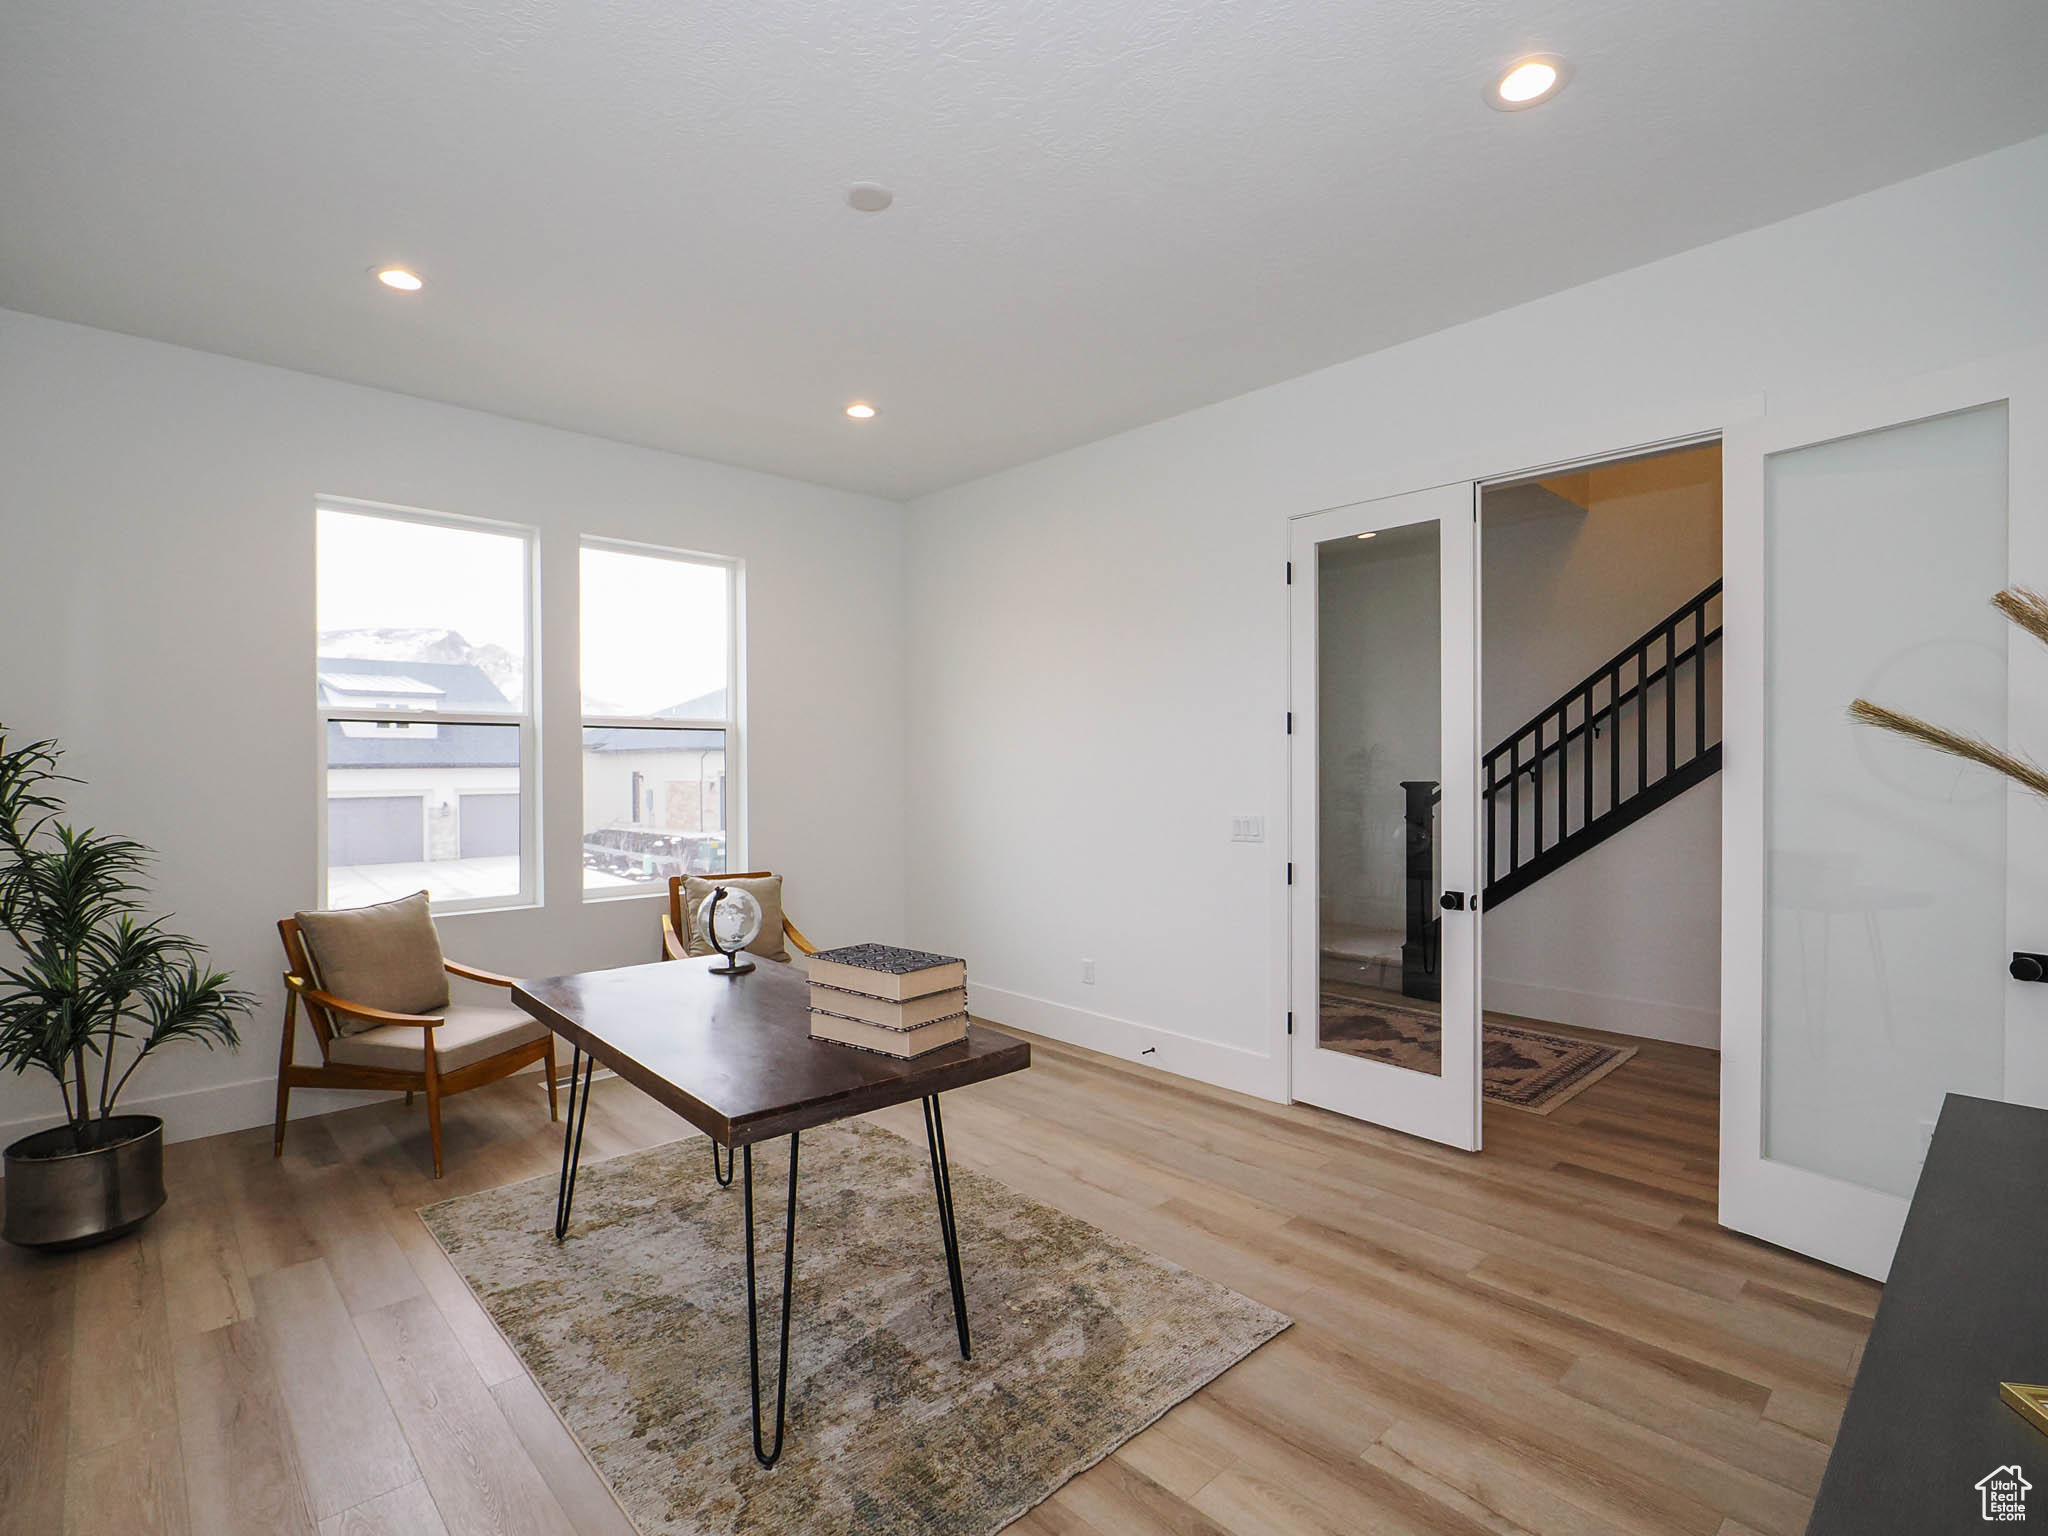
(1514,804)
(1699,679)
(1642,716)
(1670,697)
(1564,764)
(1586,757)
(1492,779)
(1614,736)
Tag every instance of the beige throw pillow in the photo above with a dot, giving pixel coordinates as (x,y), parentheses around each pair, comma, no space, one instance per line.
(767,890)
(387,956)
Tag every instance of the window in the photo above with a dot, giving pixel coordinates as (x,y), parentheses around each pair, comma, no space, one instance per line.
(425,627)
(660,733)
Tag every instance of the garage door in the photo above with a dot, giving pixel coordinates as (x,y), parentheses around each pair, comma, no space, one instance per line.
(378,829)
(489,826)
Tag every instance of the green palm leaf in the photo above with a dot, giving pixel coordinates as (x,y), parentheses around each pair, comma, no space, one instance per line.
(92,981)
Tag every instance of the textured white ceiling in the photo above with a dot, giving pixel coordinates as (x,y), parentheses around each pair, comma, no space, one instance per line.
(631,217)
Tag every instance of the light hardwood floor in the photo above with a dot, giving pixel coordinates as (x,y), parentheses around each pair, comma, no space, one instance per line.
(1552,1336)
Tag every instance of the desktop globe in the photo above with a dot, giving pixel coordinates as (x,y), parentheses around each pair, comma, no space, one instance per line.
(730,920)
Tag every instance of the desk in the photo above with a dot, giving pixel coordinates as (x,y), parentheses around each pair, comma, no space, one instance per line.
(1966,1307)
(733,1055)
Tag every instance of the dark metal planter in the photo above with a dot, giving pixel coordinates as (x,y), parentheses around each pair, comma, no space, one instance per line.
(58,1198)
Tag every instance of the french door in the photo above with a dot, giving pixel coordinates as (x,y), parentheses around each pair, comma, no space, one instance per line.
(1384,964)
(1874,890)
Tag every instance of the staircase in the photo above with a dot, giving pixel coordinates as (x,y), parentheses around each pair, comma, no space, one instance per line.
(1630,736)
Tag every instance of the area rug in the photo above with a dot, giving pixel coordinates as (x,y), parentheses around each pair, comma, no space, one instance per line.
(1523,1068)
(635,1329)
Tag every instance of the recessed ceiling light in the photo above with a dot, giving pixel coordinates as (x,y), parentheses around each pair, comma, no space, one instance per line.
(869,196)
(860,410)
(1527,83)
(1372,535)
(400,278)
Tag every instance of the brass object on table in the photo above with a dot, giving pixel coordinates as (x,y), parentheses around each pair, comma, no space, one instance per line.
(2029,1402)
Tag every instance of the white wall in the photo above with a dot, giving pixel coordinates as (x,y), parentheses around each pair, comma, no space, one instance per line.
(156,613)
(1564,584)
(1628,936)
(1098,640)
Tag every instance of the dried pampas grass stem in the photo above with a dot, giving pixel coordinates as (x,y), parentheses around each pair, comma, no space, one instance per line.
(1972,748)
(2026,608)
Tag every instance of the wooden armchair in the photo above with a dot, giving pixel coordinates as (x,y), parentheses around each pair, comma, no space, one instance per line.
(463,1046)
(675,923)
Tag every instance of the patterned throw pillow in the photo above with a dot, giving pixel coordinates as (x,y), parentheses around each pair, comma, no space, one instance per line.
(767,890)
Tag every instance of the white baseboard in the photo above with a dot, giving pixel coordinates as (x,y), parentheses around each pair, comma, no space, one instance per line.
(210,1111)
(1637,1016)
(1223,1066)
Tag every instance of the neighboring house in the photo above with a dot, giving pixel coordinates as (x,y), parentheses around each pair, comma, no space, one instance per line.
(415,791)
(654,798)
(410,792)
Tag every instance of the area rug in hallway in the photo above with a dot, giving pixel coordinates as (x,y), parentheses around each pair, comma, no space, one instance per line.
(636,1330)
(1522,1067)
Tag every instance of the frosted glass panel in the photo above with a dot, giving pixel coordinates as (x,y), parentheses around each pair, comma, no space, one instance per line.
(1885,912)
(1380,681)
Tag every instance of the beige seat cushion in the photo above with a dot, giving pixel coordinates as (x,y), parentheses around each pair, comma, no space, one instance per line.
(386,956)
(473,1031)
(767,890)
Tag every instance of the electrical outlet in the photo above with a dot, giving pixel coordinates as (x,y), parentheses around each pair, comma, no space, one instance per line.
(1087,973)
(1247,829)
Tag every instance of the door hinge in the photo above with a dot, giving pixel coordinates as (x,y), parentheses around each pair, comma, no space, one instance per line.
(1290,573)
(1290,1023)
(1290,722)
(1290,872)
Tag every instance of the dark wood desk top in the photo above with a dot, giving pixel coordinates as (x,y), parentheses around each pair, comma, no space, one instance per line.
(733,1055)
(1966,1307)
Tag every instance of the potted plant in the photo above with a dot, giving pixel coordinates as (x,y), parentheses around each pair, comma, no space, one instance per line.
(91,989)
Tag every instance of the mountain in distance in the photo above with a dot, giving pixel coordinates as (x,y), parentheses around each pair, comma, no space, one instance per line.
(505,670)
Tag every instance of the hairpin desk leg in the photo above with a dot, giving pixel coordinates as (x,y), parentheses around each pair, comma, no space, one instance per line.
(572,1141)
(766,1455)
(949,1231)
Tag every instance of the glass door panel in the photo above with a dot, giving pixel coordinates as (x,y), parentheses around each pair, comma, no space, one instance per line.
(1875,888)
(1384,667)
(1886,882)
(1379,699)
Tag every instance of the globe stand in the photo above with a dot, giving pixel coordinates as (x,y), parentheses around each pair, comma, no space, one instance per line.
(734,966)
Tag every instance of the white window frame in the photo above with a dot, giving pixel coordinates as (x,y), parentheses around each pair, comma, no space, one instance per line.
(730,724)
(527,718)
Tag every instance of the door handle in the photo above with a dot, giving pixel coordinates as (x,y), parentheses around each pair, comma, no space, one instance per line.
(2028,966)
(1452,901)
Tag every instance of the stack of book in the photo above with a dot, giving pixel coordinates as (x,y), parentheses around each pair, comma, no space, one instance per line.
(900,1002)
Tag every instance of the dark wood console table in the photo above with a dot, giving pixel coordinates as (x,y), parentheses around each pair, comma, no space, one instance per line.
(1966,1307)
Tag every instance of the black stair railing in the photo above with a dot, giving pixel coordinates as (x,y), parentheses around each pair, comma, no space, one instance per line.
(1626,738)
(1630,736)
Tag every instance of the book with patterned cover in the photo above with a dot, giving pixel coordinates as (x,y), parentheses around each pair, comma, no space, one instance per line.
(901,1043)
(887,971)
(879,1010)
